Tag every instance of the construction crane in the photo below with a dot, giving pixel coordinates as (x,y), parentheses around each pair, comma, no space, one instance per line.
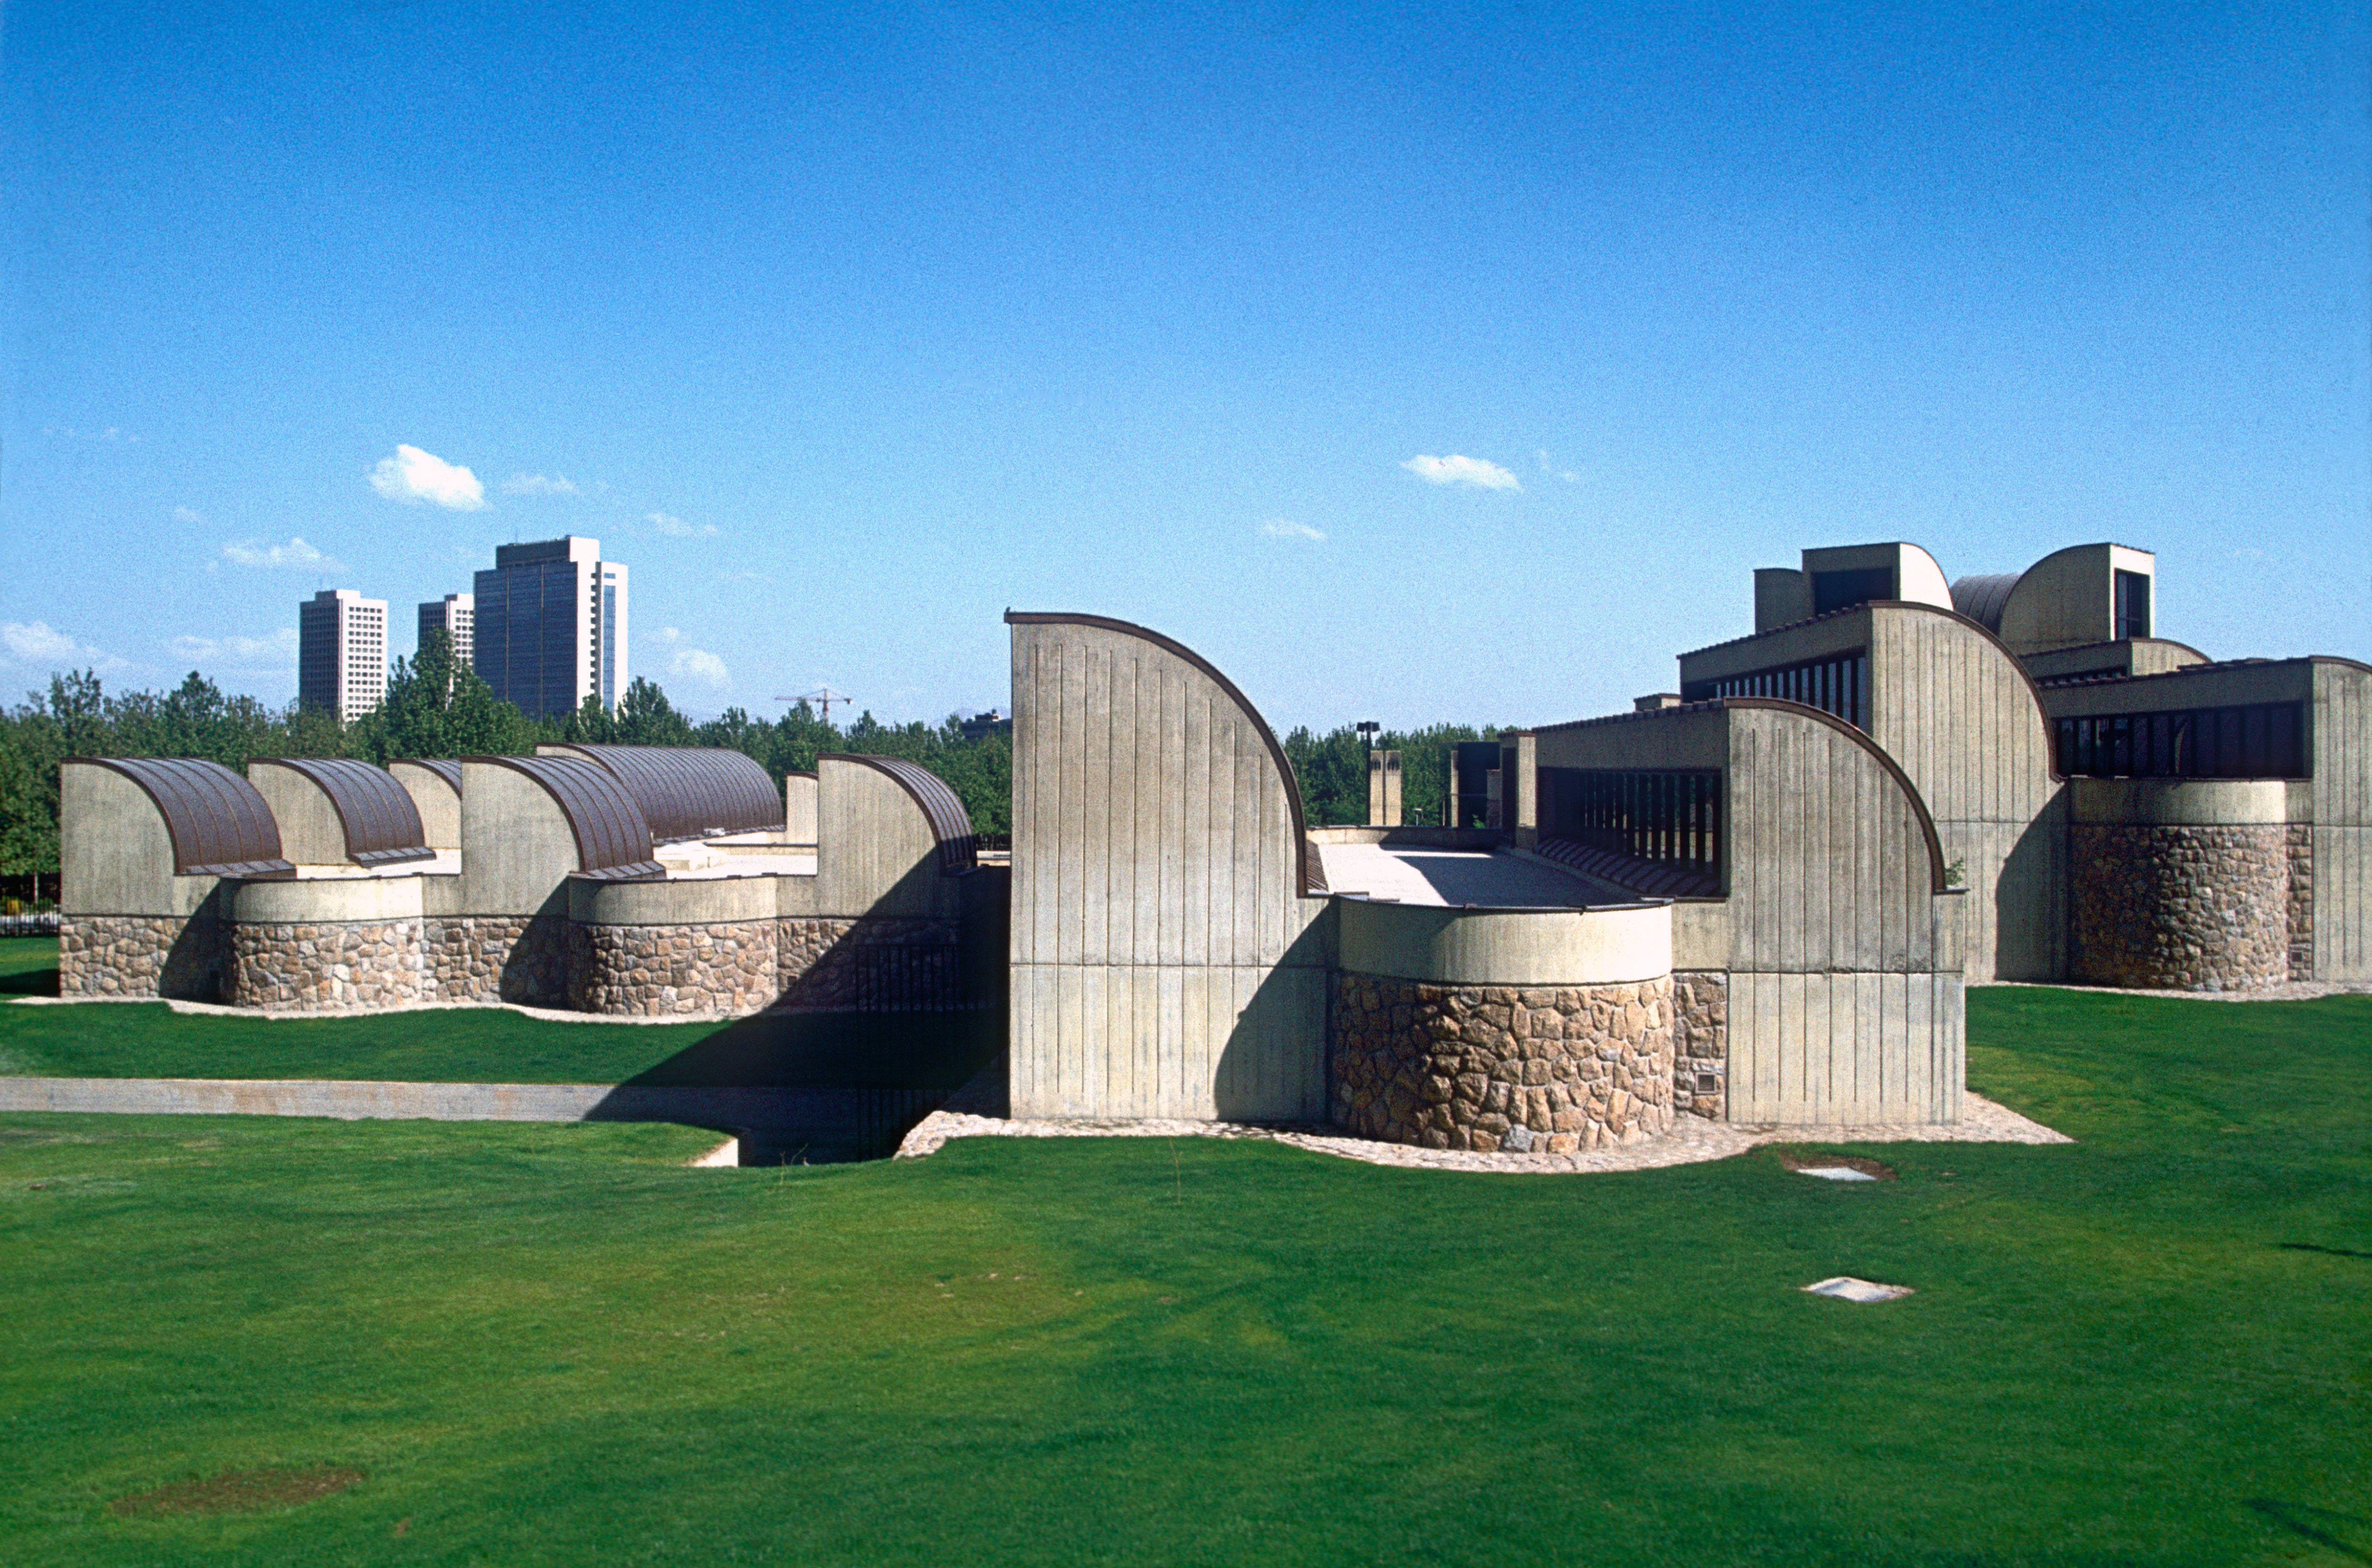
(823,698)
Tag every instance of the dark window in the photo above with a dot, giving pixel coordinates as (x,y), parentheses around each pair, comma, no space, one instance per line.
(2133,605)
(1842,590)
(1838,684)
(1673,817)
(2262,740)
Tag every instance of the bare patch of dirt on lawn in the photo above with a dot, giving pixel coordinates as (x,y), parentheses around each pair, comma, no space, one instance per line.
(239,1492)
(1796,1160)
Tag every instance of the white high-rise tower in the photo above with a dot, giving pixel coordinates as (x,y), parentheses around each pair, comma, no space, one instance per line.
(341,653)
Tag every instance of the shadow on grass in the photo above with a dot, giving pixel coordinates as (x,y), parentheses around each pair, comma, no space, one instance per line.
(2326,1251)
(831,1087)
(2317,1524)
(29,982)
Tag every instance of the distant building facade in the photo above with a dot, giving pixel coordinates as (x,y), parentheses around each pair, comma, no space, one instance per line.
(341,653)
(456,615)
(550,625)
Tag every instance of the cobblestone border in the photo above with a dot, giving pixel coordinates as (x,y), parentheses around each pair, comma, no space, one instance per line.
(1692,1140)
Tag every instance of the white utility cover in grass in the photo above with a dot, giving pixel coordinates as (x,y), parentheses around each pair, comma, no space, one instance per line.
(1844,1287)
(1834,1173)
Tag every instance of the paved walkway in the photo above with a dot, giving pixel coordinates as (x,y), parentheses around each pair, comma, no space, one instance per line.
(1693,1140)
(361,1099)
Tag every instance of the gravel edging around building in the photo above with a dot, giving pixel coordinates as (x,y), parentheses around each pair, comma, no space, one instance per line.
(1691,1141)
(549,1015)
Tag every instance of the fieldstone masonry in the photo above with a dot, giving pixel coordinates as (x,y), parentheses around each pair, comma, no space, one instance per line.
(497,958)
(136,954)
(1556,1069)
(2301,855)
(722,967)
(873,965)
(324,967)
(2183,908)
(1701,1043)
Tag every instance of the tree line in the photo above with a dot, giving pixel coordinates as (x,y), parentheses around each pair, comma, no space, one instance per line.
(437,706)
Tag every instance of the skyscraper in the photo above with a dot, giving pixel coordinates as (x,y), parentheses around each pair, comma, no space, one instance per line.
(452,615)
(341,653)
(551,625)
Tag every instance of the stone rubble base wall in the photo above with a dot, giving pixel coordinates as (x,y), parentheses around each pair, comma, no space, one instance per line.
(136,954)
(1465,1066)
(651,971)
(2182,908)
(324,968)
(871,965)
(863,964)
(1701,1043)
(2301,853)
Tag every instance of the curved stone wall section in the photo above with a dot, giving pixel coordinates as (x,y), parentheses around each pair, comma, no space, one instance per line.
(496,957)
(655,971)
(1492,1067)
(138,954)
(324,967)
(2182,908)
(876,965)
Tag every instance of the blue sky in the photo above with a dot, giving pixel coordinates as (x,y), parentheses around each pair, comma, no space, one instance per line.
(847,331)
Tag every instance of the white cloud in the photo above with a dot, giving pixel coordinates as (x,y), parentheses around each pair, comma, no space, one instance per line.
(43,646)
(187,515)
(413,476)
(296,554)
(679,529)
(277,651)
(537,484)
(112,434)
(1285,527)
(1455,470)
(1565,474)
(697,663)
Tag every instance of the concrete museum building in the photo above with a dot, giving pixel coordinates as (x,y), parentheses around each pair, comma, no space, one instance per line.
(1758,897)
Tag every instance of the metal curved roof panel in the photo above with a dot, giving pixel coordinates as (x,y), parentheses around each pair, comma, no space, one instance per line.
(218,822)
(381,823)
(1983,598)
(950,823)
(692,792)
(613,841)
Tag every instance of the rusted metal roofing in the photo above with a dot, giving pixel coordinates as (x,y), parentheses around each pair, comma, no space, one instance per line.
(218,822)
(381,823)
(692,792)
(613,841)
(1983,598)
(950,823)
(445,768)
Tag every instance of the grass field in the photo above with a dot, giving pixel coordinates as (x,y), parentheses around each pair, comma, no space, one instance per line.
(554,1344)
(147,1040)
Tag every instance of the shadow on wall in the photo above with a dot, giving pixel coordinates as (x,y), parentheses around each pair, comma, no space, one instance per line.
(535,971)
(1272,1068)
(200,956)
(2030,902)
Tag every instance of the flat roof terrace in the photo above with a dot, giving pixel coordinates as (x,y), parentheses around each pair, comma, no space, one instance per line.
(1414,874)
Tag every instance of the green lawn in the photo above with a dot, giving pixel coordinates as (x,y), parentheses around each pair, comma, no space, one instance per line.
(147,1040)
(552,1345)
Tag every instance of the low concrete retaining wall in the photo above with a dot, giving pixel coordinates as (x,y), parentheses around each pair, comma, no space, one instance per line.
(1466,1066)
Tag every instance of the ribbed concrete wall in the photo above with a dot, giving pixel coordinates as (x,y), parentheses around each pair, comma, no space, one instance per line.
(1164,958)
(1950,706)
(1844,968)
(2342,821)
